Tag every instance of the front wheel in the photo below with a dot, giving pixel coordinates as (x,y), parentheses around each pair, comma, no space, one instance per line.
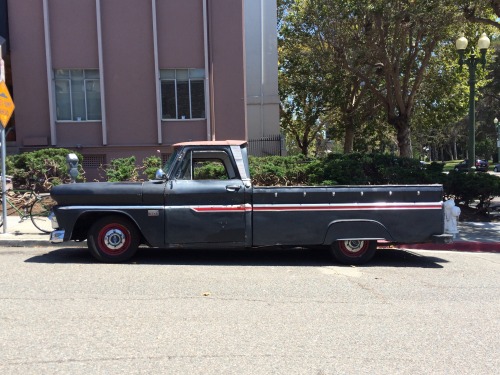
(113,239)
(353,252)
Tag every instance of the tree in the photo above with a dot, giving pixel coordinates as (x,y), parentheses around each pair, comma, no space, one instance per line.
(388,45)
(302,96)
(481,11)
(312,85)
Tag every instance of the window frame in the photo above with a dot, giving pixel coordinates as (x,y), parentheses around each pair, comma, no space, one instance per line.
(68,81)
(191,77)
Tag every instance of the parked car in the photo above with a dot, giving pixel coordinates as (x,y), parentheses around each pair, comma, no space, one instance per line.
(481,166)
(496,168)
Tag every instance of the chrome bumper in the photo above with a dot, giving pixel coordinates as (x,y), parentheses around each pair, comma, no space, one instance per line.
(57,236)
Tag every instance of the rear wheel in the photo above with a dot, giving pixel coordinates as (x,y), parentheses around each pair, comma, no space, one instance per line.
(113,239)
(354,251)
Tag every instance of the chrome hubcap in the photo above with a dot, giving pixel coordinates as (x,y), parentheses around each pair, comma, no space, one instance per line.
(114,239)
(353,246)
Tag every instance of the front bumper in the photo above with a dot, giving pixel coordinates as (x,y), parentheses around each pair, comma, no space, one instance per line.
(57,236)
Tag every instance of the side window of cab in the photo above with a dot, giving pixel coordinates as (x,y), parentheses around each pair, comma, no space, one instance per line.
(206,165)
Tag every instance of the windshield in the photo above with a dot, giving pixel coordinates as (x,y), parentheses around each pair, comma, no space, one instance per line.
(170,162)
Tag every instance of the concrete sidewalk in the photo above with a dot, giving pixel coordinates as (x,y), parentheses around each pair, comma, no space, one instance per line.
(25,234)
(476,237)
(472,236)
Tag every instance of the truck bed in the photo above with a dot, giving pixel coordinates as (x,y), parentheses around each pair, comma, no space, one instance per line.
(313,215)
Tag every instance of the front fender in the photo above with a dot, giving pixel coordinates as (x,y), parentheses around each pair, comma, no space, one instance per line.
(351,229)
(76,221)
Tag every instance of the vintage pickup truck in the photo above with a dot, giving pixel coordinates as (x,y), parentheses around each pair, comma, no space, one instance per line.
(180,209)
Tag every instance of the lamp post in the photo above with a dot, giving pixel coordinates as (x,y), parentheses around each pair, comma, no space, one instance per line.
(472,61)
(497,128)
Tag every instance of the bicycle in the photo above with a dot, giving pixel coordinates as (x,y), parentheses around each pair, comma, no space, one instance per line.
(29,205)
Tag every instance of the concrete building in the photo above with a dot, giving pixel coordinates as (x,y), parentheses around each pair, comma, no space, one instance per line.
(114,78)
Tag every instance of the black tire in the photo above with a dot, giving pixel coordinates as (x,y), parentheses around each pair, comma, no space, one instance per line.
(353,252)
(40,211)
(113,239)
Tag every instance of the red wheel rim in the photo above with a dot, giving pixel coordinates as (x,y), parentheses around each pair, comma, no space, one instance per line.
(353,248)
(114,239)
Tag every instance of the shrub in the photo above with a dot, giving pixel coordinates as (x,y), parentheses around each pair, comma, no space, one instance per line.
(151,164)
(278,170)
(41,169)
(337,169)
(468,187)
(208,170)
(122,169)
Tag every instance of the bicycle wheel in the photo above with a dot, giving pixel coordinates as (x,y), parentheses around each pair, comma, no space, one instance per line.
(39,213)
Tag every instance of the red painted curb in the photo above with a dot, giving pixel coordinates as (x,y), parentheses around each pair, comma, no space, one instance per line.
(471,246)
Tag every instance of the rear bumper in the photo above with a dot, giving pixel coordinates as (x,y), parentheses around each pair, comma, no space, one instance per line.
(442,238)
(57,236)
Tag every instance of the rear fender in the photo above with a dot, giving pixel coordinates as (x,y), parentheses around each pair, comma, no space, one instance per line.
(356,229)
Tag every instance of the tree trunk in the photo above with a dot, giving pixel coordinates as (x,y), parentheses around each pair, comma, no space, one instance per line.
(402,125)
(349,135)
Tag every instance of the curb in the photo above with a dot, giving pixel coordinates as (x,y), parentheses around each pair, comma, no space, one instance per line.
(466,246)
(14,242)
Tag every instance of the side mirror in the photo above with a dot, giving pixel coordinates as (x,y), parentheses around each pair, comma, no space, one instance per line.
(160,175)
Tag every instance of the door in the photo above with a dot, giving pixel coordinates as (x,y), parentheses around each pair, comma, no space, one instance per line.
(206,201)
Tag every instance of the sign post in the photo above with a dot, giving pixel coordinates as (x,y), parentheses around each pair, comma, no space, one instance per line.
(6,109)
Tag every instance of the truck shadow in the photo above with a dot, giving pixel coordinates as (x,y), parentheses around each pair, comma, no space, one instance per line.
(298,257)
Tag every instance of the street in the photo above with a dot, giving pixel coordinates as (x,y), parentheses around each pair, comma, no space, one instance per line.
(248,312)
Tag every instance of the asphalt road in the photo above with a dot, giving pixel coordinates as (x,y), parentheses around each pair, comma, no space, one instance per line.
(253,312)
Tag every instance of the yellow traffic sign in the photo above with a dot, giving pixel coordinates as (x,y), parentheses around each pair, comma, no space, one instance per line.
(6,104)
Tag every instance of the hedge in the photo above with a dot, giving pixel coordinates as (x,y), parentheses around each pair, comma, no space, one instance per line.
(43,168)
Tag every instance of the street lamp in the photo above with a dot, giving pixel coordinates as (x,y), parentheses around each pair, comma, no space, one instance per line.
(472,61)
(497,128)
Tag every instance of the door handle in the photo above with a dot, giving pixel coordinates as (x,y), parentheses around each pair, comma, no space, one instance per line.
(233,187)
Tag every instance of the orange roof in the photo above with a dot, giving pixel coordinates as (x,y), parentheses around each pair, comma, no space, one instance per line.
(211,143)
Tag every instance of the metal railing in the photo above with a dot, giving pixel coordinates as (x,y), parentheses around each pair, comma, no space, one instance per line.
(266,146)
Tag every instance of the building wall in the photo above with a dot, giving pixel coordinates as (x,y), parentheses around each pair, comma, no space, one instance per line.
(262,65)
(130,122)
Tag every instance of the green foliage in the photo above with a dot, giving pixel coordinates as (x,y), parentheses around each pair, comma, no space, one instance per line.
(467,187)
(41,169)
(208,170)
(151,164)
(278,170)
(338,169)
(122,169)
(359,169)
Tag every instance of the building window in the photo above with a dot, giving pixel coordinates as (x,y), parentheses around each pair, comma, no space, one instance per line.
(182,94)
(78,95)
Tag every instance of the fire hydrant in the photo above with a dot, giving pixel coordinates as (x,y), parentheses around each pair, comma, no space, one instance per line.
(451,214)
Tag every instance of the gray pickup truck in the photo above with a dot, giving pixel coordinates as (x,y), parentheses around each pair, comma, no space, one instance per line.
(180,208)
